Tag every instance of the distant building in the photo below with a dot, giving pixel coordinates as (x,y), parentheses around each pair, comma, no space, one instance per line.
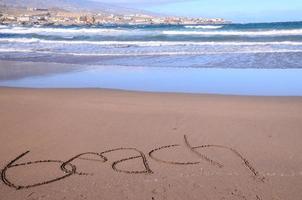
(10,18)
(37,9)
(128,17)
(64,17)
(158,20)
(91,20)
(23,19)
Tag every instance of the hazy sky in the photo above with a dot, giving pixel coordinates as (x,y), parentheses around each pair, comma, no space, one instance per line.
(235,10)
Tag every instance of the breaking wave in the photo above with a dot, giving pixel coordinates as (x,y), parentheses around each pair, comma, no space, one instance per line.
(243,45)
(204,27)
(145,43)
(238,33)
(49,31)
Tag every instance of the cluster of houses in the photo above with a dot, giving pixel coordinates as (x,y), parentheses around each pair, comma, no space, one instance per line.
(45,16)
(147,19)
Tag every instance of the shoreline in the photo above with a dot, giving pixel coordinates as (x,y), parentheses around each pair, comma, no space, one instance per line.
(110,144)
(212,81)
(110,90)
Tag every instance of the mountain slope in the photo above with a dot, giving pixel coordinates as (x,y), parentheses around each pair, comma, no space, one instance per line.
(73,5)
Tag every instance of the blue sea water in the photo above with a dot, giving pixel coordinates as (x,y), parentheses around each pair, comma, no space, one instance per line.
(267,45)
(257,47)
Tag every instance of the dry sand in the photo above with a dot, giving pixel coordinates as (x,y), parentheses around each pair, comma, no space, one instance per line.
(148,146)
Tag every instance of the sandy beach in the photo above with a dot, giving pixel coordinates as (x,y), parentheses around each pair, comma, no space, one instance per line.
(106,144)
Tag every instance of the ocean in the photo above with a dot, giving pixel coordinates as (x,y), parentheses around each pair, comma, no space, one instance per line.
(249,59)
(265,45)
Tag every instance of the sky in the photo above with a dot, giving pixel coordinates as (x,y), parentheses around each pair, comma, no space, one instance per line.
(235,10)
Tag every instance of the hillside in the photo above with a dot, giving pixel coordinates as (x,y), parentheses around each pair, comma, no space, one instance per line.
(72,5)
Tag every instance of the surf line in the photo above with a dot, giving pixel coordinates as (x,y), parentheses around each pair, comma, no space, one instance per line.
(68,167)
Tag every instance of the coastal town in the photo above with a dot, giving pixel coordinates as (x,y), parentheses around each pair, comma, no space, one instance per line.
(44,16)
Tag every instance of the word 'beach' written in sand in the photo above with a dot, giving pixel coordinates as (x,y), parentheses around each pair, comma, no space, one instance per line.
(69,168)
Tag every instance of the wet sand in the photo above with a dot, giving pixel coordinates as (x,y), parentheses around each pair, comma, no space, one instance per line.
(12,70)
(106,144)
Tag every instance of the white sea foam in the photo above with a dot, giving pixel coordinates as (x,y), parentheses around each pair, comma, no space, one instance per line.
(163,53)
(117,31)
(145,43)
(204,27)
(15,50)
(183,53)
(49,31)
(3,26)
(20,40)
(238,33)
